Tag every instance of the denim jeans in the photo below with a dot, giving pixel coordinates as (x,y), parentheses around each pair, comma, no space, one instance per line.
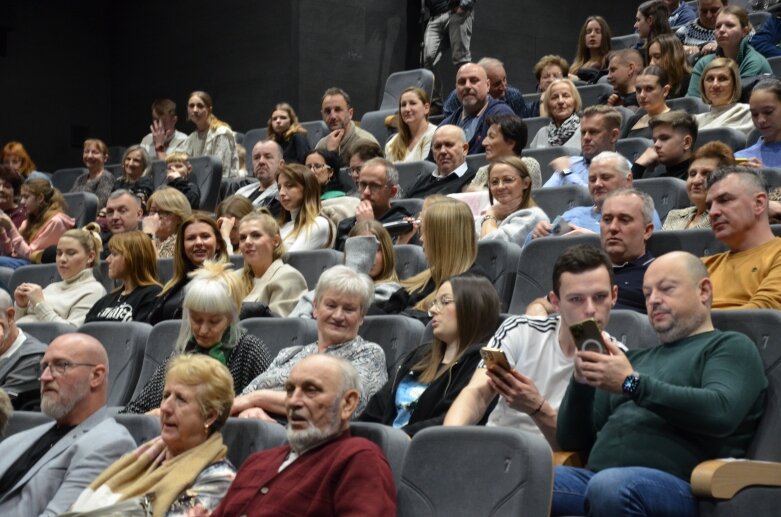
(632,491)
(13,262)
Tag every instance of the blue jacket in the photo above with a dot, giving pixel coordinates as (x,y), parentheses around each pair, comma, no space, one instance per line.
(768,37)
(476,143)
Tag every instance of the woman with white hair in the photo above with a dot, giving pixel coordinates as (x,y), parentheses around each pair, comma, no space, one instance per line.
(210,327)
(342,297)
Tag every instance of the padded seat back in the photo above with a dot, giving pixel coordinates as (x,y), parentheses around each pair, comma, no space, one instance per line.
(245,436)
(397,82)
(667,193)
(410,260)
(393,442)
(141,427)
(557,200)
(591,93)
(632,328)
(252,137)
(691,105)
(82,206)
(279,333)
(397,335)
(546,155)
(631,148)
(207,174)
(626,41)
(315,130)
(374,123)
(159,345)
(63,179)
(700,242)
(409,172)
(41,274)
(533,126)
(475,161)
(413,204)
(46,331)
(730,136)
(499,260)
(24,420)
(125,343)
(508,473)
(312,263)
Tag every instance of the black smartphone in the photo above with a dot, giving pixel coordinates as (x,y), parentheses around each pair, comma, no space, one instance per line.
(398,227)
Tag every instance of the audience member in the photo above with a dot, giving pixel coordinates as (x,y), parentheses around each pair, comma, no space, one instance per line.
(194,473)
(197,240)
(666,52)
(177,175)
(748,275)
(453,174)
(449,25)
(765,106)
(681,13)
(69,300)
(210,317)
(342,297)
(720,87)
(20,357)
(124,212)
(561,102)
(15,156)
(623,68)
(337,112)
(167,209)
(163,137)
(10,190)
(465,314)
(507,136)
(472,88)
(212,136)
(378,183)
(6,411)
(133,265)
(46,222)
(364,152)
(512,213)
(135,173)
(593,49)
(645,436)
(708,158)
(651,20)
(413,141)
(732,36)
(548,69)
(285,129)
(301,225)
(599,130)
(267,161)
(541,352)
(699,36)
(767,38)
(325,165)
(43,469)
(324,471)
(97,179)
(653,88)
(498,89)
(265,278)
(674,135)
(229,212)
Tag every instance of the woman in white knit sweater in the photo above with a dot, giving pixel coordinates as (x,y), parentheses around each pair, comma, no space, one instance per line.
(720,87)
(67,301)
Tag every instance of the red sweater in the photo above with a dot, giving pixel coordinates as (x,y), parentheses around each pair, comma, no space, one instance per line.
(344,477)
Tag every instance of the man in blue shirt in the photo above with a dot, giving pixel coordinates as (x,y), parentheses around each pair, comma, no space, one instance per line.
(497,88)
(681,13)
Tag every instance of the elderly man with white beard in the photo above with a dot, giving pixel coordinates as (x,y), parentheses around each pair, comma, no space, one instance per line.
(44,469)
(324,471)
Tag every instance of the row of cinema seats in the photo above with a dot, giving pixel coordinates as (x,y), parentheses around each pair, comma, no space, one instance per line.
(493,471)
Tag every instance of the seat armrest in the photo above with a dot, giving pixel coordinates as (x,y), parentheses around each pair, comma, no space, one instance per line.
(722,479)
(567,459)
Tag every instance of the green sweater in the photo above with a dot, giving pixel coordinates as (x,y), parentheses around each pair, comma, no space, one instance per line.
(699,398)
(750,62)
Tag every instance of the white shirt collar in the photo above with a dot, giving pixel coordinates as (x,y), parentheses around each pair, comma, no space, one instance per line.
(16,345)
(459,171)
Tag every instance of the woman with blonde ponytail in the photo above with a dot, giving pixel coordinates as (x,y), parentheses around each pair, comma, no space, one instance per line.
(67,301)
(212,136)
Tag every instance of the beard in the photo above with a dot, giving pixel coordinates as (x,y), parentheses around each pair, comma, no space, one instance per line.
(302,440)
(59,405)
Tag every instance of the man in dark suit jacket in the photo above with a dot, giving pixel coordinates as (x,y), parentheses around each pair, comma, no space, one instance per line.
(44,469)
(449,148)
(20,358)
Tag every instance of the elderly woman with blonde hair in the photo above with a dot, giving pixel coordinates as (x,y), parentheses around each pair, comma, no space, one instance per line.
(186,467)
(167,208)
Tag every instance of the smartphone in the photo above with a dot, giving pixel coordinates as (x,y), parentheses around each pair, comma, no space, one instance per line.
(588,337)
(494,357)
(559,226)
(740,161)
(398,227)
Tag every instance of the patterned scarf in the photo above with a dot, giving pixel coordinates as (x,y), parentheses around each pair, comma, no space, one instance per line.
(559,135)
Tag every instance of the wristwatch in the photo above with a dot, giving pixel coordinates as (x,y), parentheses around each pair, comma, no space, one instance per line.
(630,385)
(566,172)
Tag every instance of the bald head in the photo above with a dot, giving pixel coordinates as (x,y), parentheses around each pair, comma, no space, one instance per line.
(472,87)
(74,378)
(449,147)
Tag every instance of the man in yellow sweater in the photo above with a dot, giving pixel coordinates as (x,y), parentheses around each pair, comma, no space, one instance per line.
(748,276)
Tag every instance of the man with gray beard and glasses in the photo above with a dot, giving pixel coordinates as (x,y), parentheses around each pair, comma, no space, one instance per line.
(44,469)
(324,471)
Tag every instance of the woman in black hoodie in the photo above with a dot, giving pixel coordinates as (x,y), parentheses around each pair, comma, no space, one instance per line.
(465,314)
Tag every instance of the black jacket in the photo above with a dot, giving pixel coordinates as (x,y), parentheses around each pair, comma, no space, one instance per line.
(434,402)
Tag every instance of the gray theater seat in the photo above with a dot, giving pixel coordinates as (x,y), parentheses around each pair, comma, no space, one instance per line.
(410,260)
(159,345)
(312,263)
(397,82)
(63,179)
(632,329)
(557,200)
(700,242)
(499,260)
(279,333)
(397,335)
(667,193)
(245,436)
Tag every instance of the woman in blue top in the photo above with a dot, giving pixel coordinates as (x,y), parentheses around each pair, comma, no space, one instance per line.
(765,105)
(465,313)
(732,36)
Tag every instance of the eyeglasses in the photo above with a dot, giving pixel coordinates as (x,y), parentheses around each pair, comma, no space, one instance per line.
(439,304)
(373,187)
(161,213)
(60,367)
(317,166)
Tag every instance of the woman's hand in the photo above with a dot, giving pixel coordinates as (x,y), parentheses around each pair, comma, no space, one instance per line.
(501,211)
(257,413)
(34,293)
(5,222)
(709,48)
(20,297)
(151,224)
(542,229)
(226,224)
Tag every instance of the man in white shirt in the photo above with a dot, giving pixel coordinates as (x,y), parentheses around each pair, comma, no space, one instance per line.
(267,160)
(163,137)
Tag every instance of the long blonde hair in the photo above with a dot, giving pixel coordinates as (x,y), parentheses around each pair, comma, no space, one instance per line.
(450,245)
(398,148)
(310,205)
(271,227)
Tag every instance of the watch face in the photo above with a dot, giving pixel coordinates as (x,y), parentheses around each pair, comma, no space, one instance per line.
(631,383)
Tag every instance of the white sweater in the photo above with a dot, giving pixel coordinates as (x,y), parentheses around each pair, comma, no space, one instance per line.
(67,301)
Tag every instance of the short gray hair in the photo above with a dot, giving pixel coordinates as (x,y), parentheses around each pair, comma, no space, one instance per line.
(391,172)
(350,378)
(648,201)
(124,192)
(618,161)
(753,177)
(490,61)
(344,280)
(277,148)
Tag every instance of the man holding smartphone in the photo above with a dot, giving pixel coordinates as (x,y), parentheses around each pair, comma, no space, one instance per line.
(650,416)
(540,351)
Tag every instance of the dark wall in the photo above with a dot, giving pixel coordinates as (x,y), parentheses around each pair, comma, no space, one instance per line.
(91,68)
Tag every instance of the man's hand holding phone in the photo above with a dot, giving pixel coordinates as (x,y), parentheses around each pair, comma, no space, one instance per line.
(599,362)
(519,391)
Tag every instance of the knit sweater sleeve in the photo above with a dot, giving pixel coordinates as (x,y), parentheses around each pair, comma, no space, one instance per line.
(77,313)
(250,359)
(152,394)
